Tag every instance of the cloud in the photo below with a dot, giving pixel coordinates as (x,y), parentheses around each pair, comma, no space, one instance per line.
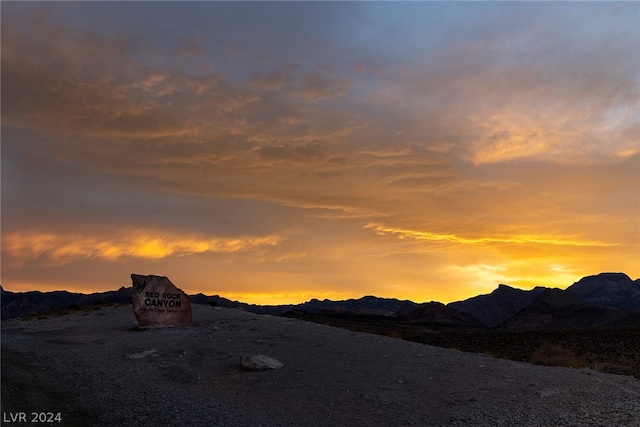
(310,152)
(540,93)
(320,85)
(496,132)
(191,46)
(275,79)
(485,240)
(149,244)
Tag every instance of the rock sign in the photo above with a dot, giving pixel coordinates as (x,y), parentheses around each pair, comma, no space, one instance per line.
(158,302)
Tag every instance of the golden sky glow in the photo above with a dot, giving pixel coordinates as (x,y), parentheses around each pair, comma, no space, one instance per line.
(274,152)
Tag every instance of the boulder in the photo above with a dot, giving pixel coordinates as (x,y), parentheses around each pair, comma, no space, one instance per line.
(259,362)
(159,303)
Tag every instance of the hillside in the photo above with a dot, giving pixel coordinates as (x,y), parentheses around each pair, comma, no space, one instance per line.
(499,305)
(609,289)
(97,368)
(555,308)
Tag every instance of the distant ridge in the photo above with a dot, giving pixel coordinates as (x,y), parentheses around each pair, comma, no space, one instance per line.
(438,313)
(603,299)
(611,289)
(555,308)
(369,304)
(496,307)
(22,304)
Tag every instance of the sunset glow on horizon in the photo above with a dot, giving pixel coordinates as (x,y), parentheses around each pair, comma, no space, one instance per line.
(275,152)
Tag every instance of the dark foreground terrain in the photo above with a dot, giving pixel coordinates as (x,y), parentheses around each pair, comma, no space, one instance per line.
(96,368)
(613,349)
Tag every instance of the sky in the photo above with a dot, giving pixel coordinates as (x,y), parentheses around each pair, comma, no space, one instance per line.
(274,152)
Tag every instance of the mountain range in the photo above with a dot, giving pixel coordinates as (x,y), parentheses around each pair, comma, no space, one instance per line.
(606,299)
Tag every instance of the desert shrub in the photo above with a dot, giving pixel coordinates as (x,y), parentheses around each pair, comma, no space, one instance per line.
(393,333)
(555,355)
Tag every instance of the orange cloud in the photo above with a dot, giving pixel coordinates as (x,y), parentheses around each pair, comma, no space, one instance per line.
(146,244)
(453,238)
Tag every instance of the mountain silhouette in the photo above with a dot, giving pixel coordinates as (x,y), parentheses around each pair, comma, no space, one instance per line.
(496,307)
(610,289)
(22,304)
(606,299)
(438,313)
(555,308)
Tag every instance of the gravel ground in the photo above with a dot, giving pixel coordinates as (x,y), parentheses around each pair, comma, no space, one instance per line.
(96,368)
